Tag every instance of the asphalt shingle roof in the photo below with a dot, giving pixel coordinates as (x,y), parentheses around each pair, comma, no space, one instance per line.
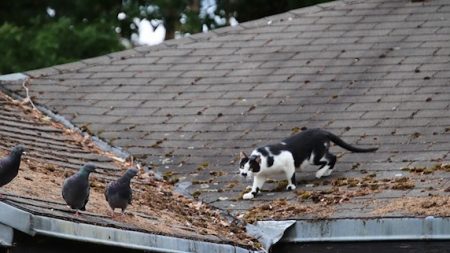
(55,152)
(374,72)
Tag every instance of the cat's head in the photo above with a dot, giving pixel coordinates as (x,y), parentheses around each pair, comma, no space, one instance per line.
(249,165)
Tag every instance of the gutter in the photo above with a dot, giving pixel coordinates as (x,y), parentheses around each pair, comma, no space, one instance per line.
(31,224)
(369,229)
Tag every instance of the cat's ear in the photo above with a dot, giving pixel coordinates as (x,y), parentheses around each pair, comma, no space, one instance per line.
(258,159)
(242,155)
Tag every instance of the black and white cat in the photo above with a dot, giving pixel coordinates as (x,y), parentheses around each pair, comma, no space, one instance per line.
(311,146)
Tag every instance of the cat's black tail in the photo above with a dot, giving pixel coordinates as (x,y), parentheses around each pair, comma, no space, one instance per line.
(338,141)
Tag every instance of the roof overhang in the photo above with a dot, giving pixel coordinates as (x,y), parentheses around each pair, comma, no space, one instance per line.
(13,218)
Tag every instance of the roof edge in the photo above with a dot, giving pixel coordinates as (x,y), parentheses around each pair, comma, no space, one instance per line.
(369,229)
(47,226)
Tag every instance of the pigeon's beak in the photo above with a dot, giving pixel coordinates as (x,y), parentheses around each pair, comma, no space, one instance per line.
(24,153)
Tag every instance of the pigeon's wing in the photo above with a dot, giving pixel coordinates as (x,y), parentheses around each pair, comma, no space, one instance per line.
(2,163)
(106,192)
(109,189)
(125,193)
(8,170)
(76,192)
(83,208)
(69,194)
(111,193)
(130,197)
(5,162)
(118,194)
(3,172)
(65,190)
(113,188)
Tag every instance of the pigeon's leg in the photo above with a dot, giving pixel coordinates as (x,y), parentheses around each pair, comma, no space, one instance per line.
(123,211)
(77,213)
(2,196)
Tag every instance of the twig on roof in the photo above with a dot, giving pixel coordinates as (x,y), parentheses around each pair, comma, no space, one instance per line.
(27,99)
(121,160)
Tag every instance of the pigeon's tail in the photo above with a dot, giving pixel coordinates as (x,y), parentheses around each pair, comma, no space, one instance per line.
(338,141)
(75,208)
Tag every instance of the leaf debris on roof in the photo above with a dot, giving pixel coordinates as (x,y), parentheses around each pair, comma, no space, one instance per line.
(56,152)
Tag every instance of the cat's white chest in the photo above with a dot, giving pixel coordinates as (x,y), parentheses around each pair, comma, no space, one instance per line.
(280,163)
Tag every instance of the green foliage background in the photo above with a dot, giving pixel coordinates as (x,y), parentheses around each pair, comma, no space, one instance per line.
(31,39)
(53,43)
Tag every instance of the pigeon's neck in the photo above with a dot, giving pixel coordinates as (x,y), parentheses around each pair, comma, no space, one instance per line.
(15,158)
(84,173)
(16,155)
(124,179)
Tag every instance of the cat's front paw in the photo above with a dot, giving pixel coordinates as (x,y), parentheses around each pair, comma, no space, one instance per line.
(248,195)
(290,187)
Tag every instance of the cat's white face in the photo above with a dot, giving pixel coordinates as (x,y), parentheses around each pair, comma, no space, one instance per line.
(244,168)
(249,165)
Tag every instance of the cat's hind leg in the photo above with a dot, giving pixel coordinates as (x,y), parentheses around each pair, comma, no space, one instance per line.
(318,158)
(258,182)
(327,163)
(331,162)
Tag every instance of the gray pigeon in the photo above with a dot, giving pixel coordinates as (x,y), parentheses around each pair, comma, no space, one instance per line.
(76,188)
(9,165)
(118,193)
